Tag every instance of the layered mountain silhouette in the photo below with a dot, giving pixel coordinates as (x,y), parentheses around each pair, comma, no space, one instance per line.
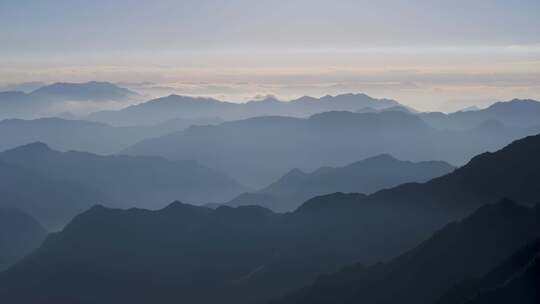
(366,176)
(175,106)
(52,99)
(461,250)
(19,235)
(517,112)
(326,139)
(125,180)
(184,253)
(82,135)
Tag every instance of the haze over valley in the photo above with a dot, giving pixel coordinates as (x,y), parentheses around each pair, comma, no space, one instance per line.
(269,152)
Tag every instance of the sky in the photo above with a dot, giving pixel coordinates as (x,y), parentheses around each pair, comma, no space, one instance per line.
(432,55)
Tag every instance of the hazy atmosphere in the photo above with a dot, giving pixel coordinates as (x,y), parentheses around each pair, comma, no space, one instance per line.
(269,152)
(432,55)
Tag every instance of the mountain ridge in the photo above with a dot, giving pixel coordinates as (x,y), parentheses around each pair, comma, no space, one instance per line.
(365,176)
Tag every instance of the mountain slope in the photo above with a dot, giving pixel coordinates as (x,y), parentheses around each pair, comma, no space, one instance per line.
(19,235)
(523,288)
(366,176)
(515,280)
(517,112)
(461,250)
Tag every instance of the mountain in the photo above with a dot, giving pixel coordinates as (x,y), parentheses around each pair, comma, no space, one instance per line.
(52,201)
(459,251)
(163,109)
(88,91)
(515,280)
(366,176)
(522,113)
(126,180)
(19,235)
(523,288)
(25,87)
(20,104)
(175,106)
(83,135)
(184,253)
(61,97)
(470,108)
(327,139)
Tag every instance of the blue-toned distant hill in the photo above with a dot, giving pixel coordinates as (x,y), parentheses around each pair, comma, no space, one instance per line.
(88,91)
(50,200)
(126,181)
(59,97)
(522,113)
(175,106)
(366,176)
(257,151)
(64,135)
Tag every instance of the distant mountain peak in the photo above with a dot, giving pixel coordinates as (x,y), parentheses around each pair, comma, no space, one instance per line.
(176,205)
(35,147)
(514,102)
(92,90)
(294,173)
(384,157)
(266,99)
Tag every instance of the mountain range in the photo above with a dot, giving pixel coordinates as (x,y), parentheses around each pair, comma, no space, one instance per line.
(366,176)
(326,139)
(523,113)
(19,235)
(80,135)
(184,253)
(74,181)
(60,97)
(177,106)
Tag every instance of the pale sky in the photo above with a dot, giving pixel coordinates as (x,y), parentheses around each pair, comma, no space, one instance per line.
(432,55)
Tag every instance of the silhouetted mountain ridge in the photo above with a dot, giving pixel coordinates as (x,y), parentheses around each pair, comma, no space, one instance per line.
(522,113)
(326,139)
(126,180)
(174,106)
(366,176)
